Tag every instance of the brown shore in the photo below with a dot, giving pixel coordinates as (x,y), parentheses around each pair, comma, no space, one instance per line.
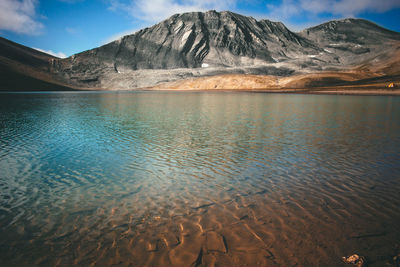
(337,84)
(378,92)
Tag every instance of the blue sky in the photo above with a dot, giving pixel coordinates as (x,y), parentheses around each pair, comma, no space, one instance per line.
(65,27)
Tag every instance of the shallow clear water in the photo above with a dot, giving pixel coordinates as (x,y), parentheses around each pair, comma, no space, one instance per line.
(162,179)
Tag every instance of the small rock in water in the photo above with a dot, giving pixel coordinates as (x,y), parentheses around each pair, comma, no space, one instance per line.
(356,260)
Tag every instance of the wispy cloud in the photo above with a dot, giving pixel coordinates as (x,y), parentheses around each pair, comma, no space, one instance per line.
(20,16)
(157,10)
(354,7)
(341,8)
(50,52)
(71,1)
(72,30)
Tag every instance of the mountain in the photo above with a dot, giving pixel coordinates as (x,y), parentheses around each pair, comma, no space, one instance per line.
(353,41)
(190,40)
(23,68)
(204,44)
(196,44)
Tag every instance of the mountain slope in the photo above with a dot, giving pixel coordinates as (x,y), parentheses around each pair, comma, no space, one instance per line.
(353,41)
(25,69)
(372,77)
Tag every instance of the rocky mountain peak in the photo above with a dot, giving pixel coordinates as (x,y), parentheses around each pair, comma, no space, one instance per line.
(351,40)
(358,31)
(190,40)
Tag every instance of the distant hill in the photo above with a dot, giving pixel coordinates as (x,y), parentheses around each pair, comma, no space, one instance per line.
(26,69)
(194,45)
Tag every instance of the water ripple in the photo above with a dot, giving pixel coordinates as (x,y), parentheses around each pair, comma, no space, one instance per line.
(154,178)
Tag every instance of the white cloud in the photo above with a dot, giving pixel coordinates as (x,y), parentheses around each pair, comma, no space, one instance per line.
(353,7)
(20,16)
(50,52)
(286,9)
(157,10)
(341,8)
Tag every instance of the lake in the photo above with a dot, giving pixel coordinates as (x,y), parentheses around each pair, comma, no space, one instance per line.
(198,178)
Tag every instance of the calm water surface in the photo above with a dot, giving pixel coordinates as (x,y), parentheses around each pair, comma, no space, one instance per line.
(180,179)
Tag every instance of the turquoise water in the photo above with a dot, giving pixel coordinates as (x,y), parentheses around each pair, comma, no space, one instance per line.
(162,179)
